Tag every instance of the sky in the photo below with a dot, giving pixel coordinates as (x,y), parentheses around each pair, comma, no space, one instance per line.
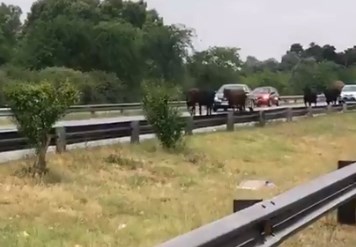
(260,28)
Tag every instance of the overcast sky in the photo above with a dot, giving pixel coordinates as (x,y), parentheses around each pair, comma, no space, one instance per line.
(262,28)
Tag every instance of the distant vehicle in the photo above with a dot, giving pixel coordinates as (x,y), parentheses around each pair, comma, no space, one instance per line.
(265,96)
(220,102)
(348,93)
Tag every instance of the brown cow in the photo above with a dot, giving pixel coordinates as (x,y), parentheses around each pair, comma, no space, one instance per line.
(338,84)
(237,98)
(333,91)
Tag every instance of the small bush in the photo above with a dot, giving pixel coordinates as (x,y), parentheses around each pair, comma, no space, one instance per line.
(165,119)
(36,108)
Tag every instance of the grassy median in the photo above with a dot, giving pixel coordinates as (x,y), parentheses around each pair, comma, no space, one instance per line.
(135,196)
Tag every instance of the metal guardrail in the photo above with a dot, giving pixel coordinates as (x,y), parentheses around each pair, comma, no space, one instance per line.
(13,140)
(270,222)
(6,112)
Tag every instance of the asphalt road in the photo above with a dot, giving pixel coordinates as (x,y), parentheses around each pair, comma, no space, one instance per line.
(128,118)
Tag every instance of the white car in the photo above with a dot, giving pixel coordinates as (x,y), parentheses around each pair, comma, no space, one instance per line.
(348,93)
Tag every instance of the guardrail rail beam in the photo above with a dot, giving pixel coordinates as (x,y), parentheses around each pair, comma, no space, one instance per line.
(346,213)
(240,204)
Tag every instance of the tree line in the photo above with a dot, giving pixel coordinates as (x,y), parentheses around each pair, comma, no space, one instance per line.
(107,48)
(107,51)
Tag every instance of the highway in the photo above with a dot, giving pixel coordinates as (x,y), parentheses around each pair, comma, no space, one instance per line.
(130,118)
(15,155)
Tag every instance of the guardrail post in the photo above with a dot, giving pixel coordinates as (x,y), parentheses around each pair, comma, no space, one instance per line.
(310,111)
(92,112)
(230,121)
(346,213)
(135,132)
(262,119)
(189,125)
(61,139)
(289,114)
(244,203)
(344,107)
(329,109)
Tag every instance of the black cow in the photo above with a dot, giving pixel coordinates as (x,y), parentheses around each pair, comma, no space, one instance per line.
(202,97)
(206,99)
(331,95)
(192,98)
(236,98)
(310,96)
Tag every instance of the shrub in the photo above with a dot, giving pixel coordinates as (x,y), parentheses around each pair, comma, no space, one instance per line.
(96,87)
(165,119)
(36,108)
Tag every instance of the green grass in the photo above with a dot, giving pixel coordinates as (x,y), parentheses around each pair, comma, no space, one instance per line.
(139,195)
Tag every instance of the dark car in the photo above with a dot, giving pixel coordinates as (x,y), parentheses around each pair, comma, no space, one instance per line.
(265,96)
(220,102)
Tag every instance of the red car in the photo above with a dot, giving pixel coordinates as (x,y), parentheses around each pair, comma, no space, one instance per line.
(265,96)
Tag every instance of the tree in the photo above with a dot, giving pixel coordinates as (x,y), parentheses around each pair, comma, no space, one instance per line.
(166,120)
(135,12)
(270,64)
(251,64)
(115,36)
(289,60)
(329,53)
(347,57)
(165,49)
(36,108)
(126,43)
(314,51)
(215,66)
(278,79)
(117,48)
(95,86)
(10,26)
(313,74)
(348,74)
(297,49)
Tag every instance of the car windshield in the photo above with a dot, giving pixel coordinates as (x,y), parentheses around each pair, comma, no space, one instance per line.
(261,90)
(349,88)
(237,86)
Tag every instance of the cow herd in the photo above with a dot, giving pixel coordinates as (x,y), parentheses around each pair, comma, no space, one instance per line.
(331,93)
(237,100)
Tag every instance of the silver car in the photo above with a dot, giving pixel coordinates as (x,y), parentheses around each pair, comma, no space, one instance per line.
(348,93)
(220,102)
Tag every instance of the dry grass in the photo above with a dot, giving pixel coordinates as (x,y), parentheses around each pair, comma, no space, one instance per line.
(135,196)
